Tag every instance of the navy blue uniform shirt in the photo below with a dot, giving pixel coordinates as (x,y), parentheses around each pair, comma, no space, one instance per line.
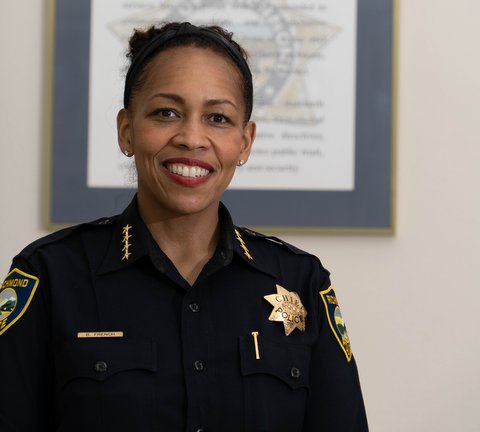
(99,332)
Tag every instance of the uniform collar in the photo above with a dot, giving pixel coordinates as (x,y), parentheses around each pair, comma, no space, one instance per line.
(131,241)
(246,250)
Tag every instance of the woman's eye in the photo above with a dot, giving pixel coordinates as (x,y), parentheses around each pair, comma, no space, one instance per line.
(218,118)
(165,113)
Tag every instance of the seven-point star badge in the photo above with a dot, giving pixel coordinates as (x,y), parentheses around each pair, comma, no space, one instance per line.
(287,308)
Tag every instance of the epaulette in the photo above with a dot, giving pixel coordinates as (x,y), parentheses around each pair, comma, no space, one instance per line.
(62,234)
(251,233)
(248,233)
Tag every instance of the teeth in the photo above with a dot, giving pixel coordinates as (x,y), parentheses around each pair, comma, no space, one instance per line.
(187,171)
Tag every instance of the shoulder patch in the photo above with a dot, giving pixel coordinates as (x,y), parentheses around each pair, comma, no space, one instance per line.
(335,320)
(16,293)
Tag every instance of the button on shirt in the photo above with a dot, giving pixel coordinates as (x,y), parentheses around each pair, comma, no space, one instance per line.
(179,357)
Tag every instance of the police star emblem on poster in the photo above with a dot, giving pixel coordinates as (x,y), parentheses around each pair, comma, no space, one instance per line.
(302,54)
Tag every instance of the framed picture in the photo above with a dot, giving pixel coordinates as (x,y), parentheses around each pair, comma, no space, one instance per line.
(322,159)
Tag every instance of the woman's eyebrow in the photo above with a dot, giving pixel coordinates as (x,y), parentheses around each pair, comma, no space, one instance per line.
(176,98)
(211,102)
(172,96)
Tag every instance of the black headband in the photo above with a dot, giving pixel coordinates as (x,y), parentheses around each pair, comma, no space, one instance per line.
(187,29)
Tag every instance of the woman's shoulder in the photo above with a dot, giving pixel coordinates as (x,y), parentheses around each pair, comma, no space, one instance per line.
(66,239)
(274,249)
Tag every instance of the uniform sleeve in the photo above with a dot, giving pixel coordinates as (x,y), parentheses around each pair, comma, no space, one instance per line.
(25,354)
(335,398)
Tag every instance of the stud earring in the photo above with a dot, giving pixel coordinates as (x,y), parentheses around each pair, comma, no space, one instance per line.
(126,153)
(241,162)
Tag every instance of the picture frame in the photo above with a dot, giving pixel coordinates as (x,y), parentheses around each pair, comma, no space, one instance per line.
(367,208)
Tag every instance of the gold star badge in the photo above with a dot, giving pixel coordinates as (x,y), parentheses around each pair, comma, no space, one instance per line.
(287,308)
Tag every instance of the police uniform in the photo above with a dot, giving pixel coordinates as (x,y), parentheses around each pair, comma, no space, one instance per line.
(99,332)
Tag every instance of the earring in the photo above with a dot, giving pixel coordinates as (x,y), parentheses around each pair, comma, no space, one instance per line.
(126,153)
(241,162)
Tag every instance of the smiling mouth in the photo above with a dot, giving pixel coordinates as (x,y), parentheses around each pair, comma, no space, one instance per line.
(187,171)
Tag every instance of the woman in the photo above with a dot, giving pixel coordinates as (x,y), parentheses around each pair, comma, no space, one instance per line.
(168,317)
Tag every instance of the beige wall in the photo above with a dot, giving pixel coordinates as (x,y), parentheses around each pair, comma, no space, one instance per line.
(412,300)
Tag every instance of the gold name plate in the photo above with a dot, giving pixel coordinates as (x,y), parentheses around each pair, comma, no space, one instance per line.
(110,334)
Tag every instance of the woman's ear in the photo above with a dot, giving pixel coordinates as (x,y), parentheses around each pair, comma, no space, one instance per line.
(124,132)
(249,132)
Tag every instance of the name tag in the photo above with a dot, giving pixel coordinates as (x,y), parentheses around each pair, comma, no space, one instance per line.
(109,334)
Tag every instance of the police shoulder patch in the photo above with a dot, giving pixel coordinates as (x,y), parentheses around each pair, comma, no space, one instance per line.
(16,293)
(335,320)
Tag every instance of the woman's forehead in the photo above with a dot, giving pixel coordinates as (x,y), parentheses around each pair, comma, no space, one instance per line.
(188,54)
(193,66)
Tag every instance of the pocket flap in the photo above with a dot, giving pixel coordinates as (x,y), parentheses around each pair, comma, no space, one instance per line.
(99,359)
(288,362)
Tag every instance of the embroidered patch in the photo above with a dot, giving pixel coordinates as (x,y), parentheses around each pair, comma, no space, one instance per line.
(16,293)
(335,319)
(287,308)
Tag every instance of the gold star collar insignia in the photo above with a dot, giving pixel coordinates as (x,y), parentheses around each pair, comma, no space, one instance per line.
(287,308)
(126,245)
(246,252)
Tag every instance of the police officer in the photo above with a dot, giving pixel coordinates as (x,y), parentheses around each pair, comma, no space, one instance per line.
(168,317)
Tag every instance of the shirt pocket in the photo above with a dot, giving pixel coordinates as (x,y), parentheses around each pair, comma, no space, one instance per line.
(275,385)
(97,379)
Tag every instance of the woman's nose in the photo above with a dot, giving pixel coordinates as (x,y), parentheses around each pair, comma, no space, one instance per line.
(192,135)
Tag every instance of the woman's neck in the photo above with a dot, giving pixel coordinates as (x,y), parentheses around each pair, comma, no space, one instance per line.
(189,241)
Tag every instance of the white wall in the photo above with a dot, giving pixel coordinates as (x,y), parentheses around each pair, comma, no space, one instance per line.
(412,300)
